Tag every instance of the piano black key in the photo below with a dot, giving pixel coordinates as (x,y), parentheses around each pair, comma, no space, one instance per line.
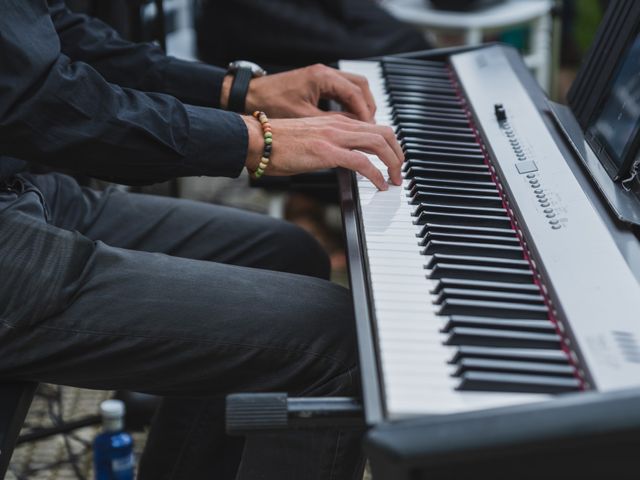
(410,86)
(464,209)
(418,182)
(416,142)
(433,83)
(491,337)
(467,238)
(411,75)
(463,219)
(397,81)
(421,70)
(452,199)
(454,306)
(444,173)
(542,326)
(446,187)
(445,154)
(469,152)
(402,126)
(479,284)
(479,250)
(426,73)
(434,134)
(434,100)
(505,382)
(444,163)
(401,108)
(493,274)
(417,74)
(507,366)
(440,120)
(497,261)
(419,100)
(525,354)
(444,227)
(388,61)
(467,294)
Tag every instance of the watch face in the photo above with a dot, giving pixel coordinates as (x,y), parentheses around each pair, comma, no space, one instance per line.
(256,70)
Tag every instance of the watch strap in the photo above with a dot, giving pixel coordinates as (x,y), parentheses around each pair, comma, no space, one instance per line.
(239,89)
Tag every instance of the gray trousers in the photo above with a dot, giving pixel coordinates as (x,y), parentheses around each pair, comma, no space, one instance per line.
(176,298)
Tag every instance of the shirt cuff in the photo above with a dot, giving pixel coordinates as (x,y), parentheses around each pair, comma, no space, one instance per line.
(218,142)
(191,82)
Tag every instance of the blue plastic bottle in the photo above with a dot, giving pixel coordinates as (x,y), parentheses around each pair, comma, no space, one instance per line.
(113,448)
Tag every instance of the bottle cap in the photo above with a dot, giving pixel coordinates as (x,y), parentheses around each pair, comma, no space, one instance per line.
(112,409)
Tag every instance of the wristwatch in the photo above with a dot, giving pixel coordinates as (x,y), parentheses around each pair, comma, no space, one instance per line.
(242,71)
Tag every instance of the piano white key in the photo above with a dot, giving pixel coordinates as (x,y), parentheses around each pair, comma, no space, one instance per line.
(374,238)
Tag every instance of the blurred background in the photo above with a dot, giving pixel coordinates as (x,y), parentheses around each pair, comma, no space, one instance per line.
(552,35)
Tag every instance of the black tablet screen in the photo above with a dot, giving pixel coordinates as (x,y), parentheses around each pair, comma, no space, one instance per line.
(617,124)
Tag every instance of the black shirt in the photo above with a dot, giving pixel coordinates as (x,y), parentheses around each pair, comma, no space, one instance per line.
(75,96)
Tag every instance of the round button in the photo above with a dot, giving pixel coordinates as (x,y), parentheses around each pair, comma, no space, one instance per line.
(551,215)
(531,175)
(535,185)
(538,191)
(533,181)
(556,227)
(554,222)
(544,204)
(548,210)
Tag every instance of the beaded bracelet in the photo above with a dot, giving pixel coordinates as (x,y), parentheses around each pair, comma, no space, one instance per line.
(268,141)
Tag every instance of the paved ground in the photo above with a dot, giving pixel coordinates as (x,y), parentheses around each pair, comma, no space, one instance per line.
(50,459)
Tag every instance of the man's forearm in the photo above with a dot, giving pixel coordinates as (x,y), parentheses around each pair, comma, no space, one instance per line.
(66,115)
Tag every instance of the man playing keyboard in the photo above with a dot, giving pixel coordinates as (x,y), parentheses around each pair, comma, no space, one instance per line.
(114,290)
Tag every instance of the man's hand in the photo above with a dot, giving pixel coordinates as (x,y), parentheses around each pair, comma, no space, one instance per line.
(309,144)
(297,93)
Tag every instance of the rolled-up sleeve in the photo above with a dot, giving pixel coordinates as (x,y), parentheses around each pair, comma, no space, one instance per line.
(64,114)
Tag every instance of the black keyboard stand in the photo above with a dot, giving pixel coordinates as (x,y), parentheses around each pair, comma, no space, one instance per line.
(582,436)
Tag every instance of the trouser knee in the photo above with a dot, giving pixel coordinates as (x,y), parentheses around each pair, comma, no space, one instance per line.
(301,253)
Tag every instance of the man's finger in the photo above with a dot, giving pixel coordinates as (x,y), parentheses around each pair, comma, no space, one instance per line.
(348,94)
(386,132)
(377,145)
(360,163)
(390,136)
(363,84)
